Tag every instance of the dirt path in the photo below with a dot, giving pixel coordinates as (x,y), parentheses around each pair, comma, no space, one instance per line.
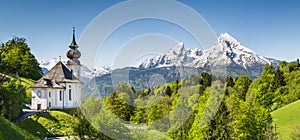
(26,113)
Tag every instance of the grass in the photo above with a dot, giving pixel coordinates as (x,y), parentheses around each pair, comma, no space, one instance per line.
(51,123)
(9,131)
(287,119)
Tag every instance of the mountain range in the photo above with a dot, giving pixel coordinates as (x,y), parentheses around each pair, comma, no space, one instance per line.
(227,53)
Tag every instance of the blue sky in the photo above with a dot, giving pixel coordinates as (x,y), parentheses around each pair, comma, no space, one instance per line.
(269,27)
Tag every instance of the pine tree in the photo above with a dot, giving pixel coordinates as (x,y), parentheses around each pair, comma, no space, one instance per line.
(205,79)
(241,85)
(229,82)
(278,80)
(218,128)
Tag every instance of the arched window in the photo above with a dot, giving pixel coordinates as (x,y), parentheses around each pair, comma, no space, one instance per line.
(60,95)
(70,94)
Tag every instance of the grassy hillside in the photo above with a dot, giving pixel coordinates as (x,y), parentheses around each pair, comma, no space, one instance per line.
(51,123)
(9,131)
(287,119)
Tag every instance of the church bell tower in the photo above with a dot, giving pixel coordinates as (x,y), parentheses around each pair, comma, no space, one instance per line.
(74,54)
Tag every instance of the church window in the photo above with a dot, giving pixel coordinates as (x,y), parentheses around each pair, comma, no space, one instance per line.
(70,95)
(60,95)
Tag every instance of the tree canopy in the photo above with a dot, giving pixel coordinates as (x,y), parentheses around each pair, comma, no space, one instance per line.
(16,59)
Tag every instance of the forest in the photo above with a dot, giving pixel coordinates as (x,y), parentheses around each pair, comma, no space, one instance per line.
(198,107)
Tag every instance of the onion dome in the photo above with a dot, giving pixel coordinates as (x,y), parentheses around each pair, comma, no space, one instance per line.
(73,54)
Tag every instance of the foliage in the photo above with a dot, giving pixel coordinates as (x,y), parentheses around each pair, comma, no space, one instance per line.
(16,59)
(241,85)
(12,95)
(205,79)
(85,129)
(229,82)
(278,80)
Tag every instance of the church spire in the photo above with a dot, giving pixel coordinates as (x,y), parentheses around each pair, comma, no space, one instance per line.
(74,54)
(73,45)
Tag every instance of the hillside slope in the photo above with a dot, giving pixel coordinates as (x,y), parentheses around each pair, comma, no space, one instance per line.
(287,119)
(51,123)
(10,131)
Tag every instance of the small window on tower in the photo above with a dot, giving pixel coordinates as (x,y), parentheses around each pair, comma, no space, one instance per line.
(49,94)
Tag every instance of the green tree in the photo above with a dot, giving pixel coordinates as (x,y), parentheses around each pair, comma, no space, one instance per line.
(241,85)
(229,82)
(248,121)
(220,123)
(16,58)
(205,79)
(278,80)
(267,73)
(12,95)
(118,106)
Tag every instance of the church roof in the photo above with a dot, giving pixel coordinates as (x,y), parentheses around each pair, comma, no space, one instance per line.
(57,75)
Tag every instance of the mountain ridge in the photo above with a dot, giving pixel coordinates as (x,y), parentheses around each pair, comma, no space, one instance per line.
(227,51)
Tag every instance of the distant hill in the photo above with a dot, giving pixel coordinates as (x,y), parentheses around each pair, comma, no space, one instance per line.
(10,131)
(287,119)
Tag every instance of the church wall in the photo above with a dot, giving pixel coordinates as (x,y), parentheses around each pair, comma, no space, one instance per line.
(71,101)
(39,99)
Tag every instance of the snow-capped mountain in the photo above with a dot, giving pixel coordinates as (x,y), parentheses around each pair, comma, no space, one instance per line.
(46,65)
(226,52)
(86,72)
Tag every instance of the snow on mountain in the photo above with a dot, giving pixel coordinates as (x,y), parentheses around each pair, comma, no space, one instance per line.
(46,65)
(227,51)
(97,71)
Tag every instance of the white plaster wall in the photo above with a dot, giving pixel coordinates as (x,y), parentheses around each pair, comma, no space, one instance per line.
(35,100)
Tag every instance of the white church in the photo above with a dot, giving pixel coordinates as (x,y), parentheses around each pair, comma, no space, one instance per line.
(60,88)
